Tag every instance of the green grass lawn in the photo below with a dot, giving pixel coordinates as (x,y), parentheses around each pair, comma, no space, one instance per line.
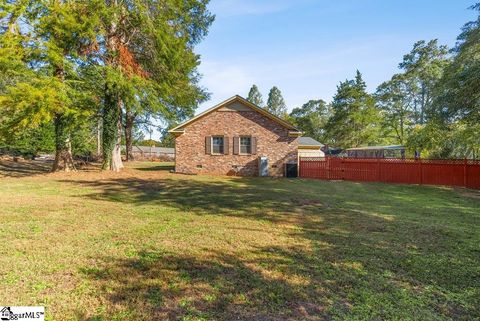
(146,244)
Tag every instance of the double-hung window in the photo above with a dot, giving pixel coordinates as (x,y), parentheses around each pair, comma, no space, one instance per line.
(245,145)
(217,144)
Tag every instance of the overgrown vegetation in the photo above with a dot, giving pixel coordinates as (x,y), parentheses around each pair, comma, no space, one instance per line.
(146,244)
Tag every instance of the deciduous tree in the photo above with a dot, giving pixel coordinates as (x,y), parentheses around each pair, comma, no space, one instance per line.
(312,118)
(422,69)
(459,89)
(393,99)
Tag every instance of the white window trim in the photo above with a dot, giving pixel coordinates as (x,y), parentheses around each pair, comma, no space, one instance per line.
(240,144)
(223,145)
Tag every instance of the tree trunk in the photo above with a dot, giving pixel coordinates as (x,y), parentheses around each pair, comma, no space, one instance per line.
(112,129)
(99,138)
(423,106)
(129,120)
(401,130)
(117,164)
(112,122)
(63,146)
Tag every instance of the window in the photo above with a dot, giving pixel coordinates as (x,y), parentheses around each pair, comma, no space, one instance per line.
(246,145)
(217,145)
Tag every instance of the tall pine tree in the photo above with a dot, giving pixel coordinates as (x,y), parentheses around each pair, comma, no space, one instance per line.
(169,90)
(355,120)
(149,62)
(45,86)
(255,97)
(276,103)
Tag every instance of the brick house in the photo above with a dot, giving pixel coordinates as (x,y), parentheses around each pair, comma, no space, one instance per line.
(229,139)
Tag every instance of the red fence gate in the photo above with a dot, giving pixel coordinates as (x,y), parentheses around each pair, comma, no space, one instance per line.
(464,173)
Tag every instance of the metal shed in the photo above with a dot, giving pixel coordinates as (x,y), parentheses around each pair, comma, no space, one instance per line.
(390,151)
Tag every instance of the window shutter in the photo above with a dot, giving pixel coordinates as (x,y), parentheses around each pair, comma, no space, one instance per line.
(236,145)
(225,145)
(254,145)
(208,145)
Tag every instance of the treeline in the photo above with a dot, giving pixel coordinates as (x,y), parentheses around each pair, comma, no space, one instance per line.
(431,106)
(75,75)
(78,77)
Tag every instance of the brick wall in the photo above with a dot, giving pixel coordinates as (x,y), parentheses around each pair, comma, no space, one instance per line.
(273,142)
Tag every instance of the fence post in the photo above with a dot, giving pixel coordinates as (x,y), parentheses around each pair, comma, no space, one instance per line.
(327,167)
(421,171)
(299,165)
(465,164)
(342,168)
(320,170)
(378,170)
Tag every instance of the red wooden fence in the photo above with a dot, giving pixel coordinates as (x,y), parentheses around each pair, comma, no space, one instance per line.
(464,173)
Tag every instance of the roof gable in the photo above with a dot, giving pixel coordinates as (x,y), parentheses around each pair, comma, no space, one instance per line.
(237,103)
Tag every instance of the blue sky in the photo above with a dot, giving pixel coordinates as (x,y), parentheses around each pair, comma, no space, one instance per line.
(306,47)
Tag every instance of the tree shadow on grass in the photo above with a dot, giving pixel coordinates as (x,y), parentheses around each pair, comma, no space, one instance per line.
(161,167)
(274,198)
(24,168)
(365,260)
(233,196)
(274,283)
(172,286)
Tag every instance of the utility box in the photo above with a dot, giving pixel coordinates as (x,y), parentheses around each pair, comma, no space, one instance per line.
(262,166)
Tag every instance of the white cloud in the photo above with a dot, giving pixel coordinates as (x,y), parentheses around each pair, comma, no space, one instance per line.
(224,80)
(312,74)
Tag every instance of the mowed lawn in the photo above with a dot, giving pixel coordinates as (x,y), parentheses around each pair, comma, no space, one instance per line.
(145,244)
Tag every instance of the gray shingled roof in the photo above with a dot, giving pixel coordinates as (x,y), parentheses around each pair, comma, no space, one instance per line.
(308,141)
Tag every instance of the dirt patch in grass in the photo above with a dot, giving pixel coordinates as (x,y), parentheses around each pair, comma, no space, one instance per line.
(475,194)
(307,202)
